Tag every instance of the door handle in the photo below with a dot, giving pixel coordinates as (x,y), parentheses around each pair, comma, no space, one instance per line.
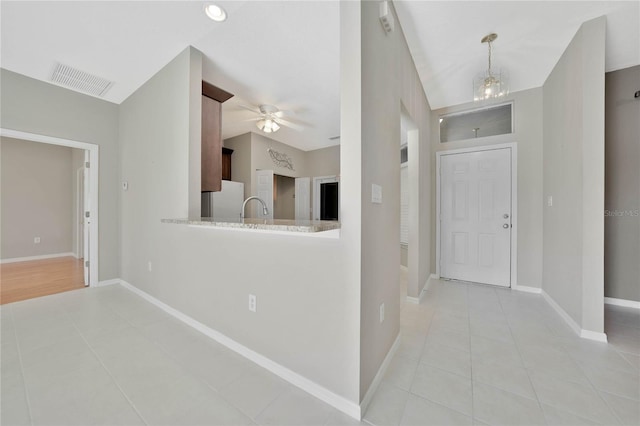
(506,216)
(505,226)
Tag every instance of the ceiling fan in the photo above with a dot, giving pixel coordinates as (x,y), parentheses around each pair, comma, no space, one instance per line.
(270,118)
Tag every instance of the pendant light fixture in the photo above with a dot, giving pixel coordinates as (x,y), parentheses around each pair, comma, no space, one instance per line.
(491,83)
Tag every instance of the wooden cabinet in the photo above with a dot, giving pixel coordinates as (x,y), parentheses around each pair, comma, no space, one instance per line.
(226,163)
(211,154)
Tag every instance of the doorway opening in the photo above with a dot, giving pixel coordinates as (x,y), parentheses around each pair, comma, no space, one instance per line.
(82,184)
(326,198)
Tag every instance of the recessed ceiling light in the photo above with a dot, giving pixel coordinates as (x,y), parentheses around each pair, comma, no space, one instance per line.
(215,12)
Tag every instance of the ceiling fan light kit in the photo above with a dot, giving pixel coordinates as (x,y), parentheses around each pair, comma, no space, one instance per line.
(492,83)
(269,118)
(268,125)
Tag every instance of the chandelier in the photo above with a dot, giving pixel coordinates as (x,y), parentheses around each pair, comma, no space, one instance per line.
(491,83)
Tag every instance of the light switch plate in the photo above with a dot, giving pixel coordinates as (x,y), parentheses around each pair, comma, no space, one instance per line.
(550,200)
(376,194)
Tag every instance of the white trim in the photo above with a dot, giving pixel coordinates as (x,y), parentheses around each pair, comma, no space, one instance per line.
(373,387)
(481,108)
(622,302)
(40,257)
(527,289)
(565,316)
(414,300)
(340,403)
(94,155)
(316,182)
(593,335)
(585,334)
(108,282)
(434,276)
(514,201)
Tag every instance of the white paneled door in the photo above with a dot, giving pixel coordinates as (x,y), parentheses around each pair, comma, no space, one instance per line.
(264,184)
(303,198)
(475,215)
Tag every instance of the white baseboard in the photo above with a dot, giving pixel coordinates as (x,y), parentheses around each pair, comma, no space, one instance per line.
(565,316)
(340,403)
(434,276)
(526,289)
(43,256)
(414,300)
(585,334)
(622,302)
(379,375)
(593,335)
(107,282)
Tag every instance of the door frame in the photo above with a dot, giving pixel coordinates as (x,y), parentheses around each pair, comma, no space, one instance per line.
(79,251)
(93,150)
(317,181)
(514,202)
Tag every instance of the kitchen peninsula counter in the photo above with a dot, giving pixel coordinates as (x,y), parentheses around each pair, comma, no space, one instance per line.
(309,227)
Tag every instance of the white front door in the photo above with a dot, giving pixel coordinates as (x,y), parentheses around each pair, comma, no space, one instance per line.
(303,198)
(264,189)
(475,215)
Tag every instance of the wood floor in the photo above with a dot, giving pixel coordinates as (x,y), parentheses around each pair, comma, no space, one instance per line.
(35,278)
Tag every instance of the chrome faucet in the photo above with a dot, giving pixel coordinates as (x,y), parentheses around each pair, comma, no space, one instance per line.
(265,210)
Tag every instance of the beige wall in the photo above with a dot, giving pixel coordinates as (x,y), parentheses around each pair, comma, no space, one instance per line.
(307,315)
(573,162)
(323,162)
(34,106)
(284,203)
(38,189)
(250,154)
(528,124)
(241,160)
(389,82)
(622,191)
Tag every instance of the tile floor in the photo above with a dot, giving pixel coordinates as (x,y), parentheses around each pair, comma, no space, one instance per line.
(469,355)
(106,356)
(473,354)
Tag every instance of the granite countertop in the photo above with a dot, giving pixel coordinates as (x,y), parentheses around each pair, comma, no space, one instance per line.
(262,224)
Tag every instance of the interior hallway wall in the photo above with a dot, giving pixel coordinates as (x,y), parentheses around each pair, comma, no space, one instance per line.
(37,198)
(622,185)
(389,82)
(573,162)
(34,106)
(307,310)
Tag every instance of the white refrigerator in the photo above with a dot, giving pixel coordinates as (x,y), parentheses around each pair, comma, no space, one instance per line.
(225,204)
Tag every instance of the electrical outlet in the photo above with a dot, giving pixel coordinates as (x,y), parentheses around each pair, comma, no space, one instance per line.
(125,185)
(252,303)
(550,201)
(381,313)
(150,266)
(36,240)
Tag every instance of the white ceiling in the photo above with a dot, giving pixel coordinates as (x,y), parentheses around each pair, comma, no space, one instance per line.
(280,53)
(287,53)
(444,40)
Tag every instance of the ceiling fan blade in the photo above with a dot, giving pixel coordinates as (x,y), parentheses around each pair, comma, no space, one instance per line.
(253,119)
(289,124)
(252,109)
(281,113)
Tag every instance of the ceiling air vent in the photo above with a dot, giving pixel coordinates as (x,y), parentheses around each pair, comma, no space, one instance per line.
(80,80)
